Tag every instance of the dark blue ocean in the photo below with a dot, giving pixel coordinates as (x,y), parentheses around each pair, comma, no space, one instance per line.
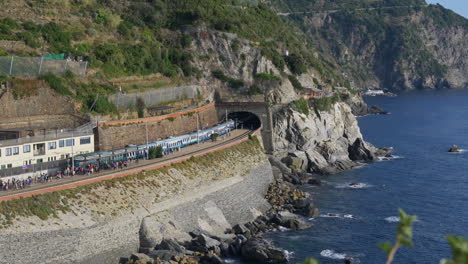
(425,180)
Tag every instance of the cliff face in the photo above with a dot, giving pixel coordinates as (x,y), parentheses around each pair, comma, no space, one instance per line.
(322,141)
(390,44)
(240,60)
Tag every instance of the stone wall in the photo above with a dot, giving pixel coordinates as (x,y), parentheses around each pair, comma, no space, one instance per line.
(32,104)
(109,221)
(118,134)
(35,99)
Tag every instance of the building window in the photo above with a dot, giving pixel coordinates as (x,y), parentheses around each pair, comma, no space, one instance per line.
(86,140)
(15,150)
(39,161)
(62,143)
(8,151)
(9,166)
(52,145)
(27,148)
(3,166)
(70,142)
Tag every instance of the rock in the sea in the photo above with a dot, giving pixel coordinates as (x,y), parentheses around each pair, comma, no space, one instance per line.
(211,260)
(309,211)
(313,181)
(261,251)
(291,221)
(374,110)
(454,148)
(358,151)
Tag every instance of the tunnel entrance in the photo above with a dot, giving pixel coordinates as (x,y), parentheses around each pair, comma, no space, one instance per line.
(246,120)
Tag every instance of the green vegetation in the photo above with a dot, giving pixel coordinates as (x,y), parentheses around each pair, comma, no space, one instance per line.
(301,105)
(266,77)
(325,103)
(155,152)
(254,89)
(140,105)
(214,137)
(57,84)
(231,82)
(296,64)
(404,236)
(295,83)
(459,247)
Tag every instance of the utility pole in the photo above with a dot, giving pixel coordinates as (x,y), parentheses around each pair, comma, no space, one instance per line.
(147,149)
(226,116)
(73,157)
(198,130)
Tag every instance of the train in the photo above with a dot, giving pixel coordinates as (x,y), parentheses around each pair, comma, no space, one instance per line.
(140,151)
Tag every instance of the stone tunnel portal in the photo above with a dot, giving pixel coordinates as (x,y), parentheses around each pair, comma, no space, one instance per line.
(246,120)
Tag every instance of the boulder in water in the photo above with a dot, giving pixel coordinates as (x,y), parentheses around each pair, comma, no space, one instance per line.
(375,110)
(261,251)
(454,148)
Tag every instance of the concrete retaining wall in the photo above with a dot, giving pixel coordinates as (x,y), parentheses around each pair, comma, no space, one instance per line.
(212,208)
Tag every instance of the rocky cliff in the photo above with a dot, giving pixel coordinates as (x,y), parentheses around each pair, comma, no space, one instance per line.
(388,44)
(322,141)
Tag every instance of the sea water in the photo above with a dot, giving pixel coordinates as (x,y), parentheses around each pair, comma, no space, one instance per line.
(424,180)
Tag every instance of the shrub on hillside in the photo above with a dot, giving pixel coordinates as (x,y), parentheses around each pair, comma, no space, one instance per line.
(57,84)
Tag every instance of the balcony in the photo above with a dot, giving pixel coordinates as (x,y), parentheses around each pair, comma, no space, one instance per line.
(39,152)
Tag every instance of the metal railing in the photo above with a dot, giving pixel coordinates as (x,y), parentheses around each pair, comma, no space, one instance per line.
(155,97)
(17,171)
(36,66)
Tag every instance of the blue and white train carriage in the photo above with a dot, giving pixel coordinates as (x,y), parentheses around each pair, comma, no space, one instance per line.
(139,151)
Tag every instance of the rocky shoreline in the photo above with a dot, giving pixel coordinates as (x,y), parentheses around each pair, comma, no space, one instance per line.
(290,209)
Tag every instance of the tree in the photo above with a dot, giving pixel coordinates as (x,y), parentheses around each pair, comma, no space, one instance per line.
(140,104)
(155,152)
(214,137)
(296,64)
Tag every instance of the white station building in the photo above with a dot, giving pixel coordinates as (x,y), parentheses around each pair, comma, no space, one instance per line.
(40,149)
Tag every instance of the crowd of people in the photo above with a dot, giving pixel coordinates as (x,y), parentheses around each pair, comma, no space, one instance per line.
(16,183)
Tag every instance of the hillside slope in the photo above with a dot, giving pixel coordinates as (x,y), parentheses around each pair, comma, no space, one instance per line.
(387,43)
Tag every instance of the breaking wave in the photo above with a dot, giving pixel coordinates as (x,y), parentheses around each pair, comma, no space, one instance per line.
(332,215)
(328,253)
(353,185)
(392,219)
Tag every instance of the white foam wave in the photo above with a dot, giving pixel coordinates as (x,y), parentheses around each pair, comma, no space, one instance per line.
(332,215)
(229,260)
(283,229)
(392,219)
(395,219)
(288,253)
(328,253)
(353,185)
(459,151)
(329,215)
(393,157)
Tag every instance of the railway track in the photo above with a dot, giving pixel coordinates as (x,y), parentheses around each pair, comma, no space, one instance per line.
(77,181)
